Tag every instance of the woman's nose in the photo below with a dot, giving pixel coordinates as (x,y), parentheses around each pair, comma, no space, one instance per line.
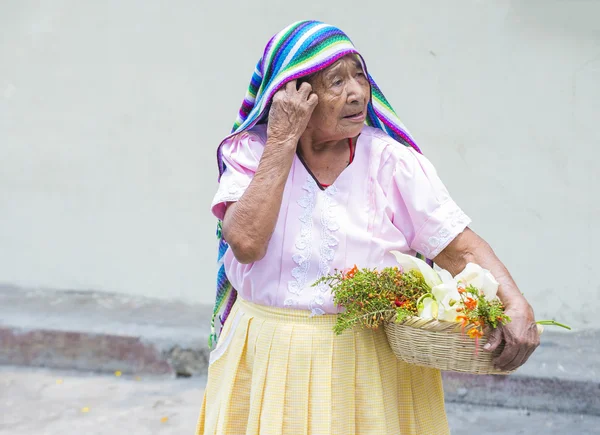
(356,92)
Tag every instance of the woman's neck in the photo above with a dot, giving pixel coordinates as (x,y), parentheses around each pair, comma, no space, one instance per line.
(325,160)
(310,149)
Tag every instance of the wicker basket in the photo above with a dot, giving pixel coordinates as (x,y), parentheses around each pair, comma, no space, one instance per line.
(441,345)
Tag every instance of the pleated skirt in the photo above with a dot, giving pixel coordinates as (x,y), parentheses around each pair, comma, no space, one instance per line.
(282,372)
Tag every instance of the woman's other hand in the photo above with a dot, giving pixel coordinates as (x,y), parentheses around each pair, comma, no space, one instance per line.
(290,112)
(520,338)
(520,335)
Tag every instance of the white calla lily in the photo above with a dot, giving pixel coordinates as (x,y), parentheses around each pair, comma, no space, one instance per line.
(445,298)
(480,278)
(446,289)
(448,309)
(448,299)
(428,308)
(408,262)
(445,276)
(490,286)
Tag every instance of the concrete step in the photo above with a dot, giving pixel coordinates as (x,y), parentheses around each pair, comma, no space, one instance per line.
(102,332)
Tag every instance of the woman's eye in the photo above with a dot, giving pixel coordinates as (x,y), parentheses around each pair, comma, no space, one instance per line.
(337,82)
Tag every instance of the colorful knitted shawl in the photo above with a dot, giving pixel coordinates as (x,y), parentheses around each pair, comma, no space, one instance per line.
(299,50)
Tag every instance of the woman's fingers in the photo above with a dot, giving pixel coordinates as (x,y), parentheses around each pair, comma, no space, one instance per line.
(529,353)
(521,339)
(290,111)
(290,87)
(305,90)
(313,100)
(509,353)
(517,361)
(521,358)
(494,340)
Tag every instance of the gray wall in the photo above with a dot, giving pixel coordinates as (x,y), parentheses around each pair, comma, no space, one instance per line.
(110,112)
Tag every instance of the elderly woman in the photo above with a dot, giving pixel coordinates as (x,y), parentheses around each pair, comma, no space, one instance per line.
(319,174)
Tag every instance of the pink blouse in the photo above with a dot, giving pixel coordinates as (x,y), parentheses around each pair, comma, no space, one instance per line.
(389,198)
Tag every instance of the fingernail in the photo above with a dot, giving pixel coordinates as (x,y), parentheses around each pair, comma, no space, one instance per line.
(487,346)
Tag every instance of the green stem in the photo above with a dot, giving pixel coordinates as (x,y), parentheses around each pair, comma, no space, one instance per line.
(372,313)
(552,323)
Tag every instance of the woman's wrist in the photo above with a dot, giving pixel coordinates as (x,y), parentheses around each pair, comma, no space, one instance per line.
(516,302)
(281,143)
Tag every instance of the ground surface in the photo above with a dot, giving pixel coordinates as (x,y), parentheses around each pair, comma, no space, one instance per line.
(49,402)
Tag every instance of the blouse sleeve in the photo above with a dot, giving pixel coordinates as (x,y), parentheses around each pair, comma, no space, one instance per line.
(241,155)
(422,207)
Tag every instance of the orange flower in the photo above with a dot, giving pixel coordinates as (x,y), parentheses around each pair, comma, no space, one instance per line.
(475,333)
(470,303)
(464,320)
(351,272)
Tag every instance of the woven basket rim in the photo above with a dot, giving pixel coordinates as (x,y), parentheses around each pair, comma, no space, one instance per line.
(433,324)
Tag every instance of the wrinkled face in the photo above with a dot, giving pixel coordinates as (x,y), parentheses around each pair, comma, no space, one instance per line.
(344,92)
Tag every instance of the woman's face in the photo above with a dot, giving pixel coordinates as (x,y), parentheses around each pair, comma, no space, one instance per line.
(344,92)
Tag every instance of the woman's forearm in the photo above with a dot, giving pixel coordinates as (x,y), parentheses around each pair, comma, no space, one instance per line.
(249,223)
(468,247)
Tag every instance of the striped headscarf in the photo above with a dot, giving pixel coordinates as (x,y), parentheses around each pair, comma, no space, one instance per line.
(299,50)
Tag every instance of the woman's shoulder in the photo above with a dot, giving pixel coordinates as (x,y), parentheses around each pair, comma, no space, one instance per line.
(256,134)
(247,145)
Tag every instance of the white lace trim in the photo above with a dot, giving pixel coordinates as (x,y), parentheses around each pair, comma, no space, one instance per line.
(454,218)
(233,192)
(303,243)
(329,242)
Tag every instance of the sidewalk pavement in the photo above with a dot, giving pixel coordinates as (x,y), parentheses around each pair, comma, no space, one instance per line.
(106,332)
(57,402)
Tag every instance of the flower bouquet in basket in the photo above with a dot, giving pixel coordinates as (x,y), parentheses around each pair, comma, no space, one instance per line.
(430,318)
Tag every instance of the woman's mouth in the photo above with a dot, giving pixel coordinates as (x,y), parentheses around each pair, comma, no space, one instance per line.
(356,117)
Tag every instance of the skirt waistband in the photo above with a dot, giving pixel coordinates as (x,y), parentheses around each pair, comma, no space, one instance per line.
(288,315)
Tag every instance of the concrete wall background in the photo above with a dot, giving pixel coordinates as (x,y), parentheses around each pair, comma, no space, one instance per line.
(110,113)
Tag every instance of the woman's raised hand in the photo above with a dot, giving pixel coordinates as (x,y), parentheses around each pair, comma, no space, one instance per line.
(290,112)
(249,223)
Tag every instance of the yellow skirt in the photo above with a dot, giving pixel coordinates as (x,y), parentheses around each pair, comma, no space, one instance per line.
(280,371)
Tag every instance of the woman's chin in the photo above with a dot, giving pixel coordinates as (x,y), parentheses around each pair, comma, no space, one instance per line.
(355,130)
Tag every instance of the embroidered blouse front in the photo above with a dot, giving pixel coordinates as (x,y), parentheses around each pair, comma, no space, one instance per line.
(389,198)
